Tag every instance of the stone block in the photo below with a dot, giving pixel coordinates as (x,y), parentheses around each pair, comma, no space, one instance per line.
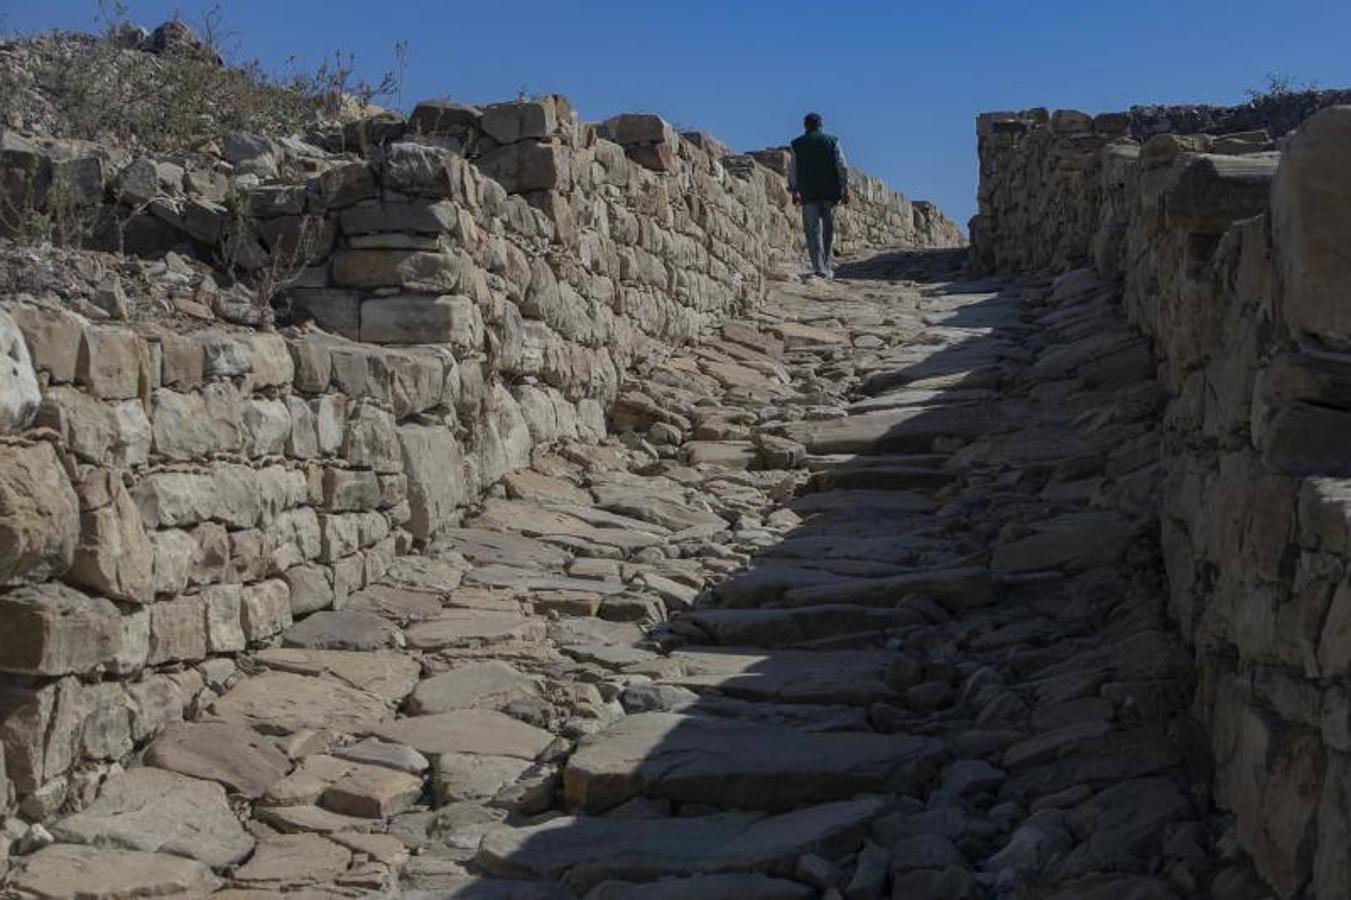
(266,426)
(434,467)
(330,423)
(528,166)
(115,556)
(412,319)
(1311,226)
(176,559)
(265,609)
(443,117)
(411,270)
(346,183)
(222,617)
(197,424)
(39,514)
(418,216)
(311,355)
(350,489)
(1209,193)
(302,439)
(637,128)
(53,338)
(370,440)
(183,362)
(51,629)
(178,630)
(112,363)
(508,123)
(104,433)
(19,393)
(270,363)
(310,587)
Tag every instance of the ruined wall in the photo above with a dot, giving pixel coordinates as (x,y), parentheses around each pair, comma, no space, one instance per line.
(1232,258)
(179,481)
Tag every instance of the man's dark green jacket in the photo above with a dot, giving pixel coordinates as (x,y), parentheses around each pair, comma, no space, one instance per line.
(817,167)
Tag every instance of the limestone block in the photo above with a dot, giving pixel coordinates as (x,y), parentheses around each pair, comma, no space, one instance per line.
(270,360)
(370,439)
(112,363)
(51,629)
(434,467)
(411,270)
(302,439)
(1311,225)
(421,169)
(115,556)
(19,393)
(252,552)
(53,338)
(265,609)
(198,424)
(105,433)
(310,587)
(225,355)
(297,534)
(350,489)
(178,630)
(39,514)
(508,123)
(1208,193)
(183,361)
(335,311)
(528,166)
(330,423)
(222,617)
(266,426)
(176,557)
(418,217)
(346,183)
(443,117)
(413,319)
(174,499)
(637,128)
(312,360)
(134,647)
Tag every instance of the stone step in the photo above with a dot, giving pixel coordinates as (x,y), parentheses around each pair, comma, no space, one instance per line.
(877,477)
(739,765)
(787,676)
(584,851)
(904,429)
(956,589)
(784,628)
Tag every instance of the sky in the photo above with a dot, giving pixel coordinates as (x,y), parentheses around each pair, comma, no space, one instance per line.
(899,82)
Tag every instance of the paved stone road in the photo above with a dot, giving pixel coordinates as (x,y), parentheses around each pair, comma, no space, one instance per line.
(915,650)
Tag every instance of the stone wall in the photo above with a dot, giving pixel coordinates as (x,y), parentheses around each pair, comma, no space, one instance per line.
(1232,258)
(456,290)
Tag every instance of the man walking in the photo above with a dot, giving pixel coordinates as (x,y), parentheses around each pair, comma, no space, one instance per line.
(818,179)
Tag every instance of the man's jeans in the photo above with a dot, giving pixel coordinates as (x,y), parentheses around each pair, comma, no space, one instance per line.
(818,221)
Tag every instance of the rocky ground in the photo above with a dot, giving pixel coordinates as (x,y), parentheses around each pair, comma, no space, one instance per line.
(921,656)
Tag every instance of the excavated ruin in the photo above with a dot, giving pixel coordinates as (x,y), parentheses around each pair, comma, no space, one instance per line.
(479,505)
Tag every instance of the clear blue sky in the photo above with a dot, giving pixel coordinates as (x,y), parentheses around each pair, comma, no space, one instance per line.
(899,81)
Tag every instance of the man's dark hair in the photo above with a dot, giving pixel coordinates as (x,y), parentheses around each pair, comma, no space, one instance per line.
(812,121)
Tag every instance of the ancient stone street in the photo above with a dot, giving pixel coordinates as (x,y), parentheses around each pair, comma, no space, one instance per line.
(920,643)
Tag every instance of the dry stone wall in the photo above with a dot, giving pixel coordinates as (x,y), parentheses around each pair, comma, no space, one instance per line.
(461,288)
(1231,256)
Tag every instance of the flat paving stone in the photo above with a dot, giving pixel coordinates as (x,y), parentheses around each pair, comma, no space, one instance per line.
(788,676)
(582,852)
(740,765)
(342,630)
(467,731)
(100,873)
(159,811)
(788,627)
(467,627)
(388,675)
(284,703)
(490,684)
(241,759)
